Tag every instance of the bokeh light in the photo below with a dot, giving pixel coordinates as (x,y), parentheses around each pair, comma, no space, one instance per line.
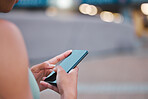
(118,18)
(88,9)
(82,8)
(144,8)
(61,4)
(64,4)
(107,16)
(93,10)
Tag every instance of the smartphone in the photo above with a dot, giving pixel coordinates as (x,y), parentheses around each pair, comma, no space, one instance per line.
(67,64)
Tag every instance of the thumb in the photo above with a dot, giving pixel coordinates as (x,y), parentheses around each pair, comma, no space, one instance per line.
(74,71)
(59,69)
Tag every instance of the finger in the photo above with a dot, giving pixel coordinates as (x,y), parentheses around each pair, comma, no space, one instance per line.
(48,71)
(43,78)
(59,70)
(45,65)
(74,71)
(60,57)
(55,69)
(47,85)
(47,62)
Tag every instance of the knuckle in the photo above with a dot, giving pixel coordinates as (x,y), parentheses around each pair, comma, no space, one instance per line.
(52,87)
(65,55)
(59,67)
(60,70)
(77,69)
(57,58)
(45,63)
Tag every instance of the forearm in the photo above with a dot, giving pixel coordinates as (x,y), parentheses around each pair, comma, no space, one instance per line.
(69,95)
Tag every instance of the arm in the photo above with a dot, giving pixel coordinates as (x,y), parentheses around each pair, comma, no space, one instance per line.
(13,63)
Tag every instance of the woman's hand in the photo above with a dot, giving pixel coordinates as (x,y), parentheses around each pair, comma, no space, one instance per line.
(66,83)
(42,70)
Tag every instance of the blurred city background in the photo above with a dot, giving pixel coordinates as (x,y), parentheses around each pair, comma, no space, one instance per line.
(115,32)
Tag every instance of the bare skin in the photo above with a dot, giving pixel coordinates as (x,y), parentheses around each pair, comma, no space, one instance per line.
(14,65)
(66,85)
(66,82)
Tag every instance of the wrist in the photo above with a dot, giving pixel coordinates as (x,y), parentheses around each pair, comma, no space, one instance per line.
(69,95)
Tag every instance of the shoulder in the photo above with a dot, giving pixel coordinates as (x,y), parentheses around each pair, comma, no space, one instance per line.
(5,23)
(13,63)
(8,27)
(9,32)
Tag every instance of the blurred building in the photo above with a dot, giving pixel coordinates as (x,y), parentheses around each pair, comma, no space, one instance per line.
(118,11)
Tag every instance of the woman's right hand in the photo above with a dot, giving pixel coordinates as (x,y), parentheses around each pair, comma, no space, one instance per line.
(66,83)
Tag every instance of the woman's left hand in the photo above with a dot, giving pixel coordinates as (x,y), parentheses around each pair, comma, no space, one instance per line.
(42,70)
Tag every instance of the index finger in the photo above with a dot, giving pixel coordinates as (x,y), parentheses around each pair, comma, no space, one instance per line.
(60,57)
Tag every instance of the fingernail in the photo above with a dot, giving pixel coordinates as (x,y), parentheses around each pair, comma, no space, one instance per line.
(41,81)
(54,69)
(51,70)
(52,65)
(70,50)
